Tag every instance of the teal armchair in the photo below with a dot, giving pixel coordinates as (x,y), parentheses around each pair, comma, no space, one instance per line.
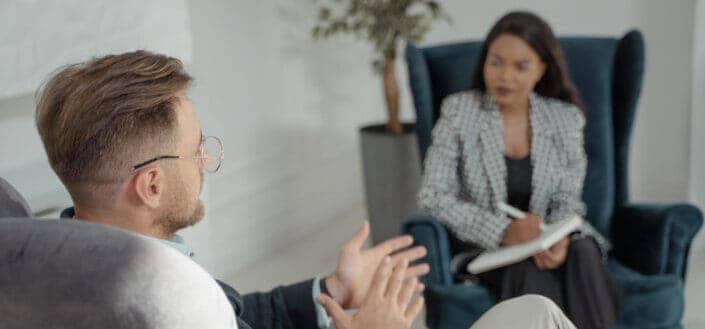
(651,241)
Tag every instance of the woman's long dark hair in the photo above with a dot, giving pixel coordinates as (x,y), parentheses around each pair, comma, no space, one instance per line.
(555,82)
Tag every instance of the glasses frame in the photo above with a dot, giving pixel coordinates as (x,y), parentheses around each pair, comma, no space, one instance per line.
(201,157)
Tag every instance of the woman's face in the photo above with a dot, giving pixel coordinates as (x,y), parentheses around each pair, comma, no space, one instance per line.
(511,70)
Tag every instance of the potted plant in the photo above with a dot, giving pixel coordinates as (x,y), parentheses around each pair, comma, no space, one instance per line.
(390,156)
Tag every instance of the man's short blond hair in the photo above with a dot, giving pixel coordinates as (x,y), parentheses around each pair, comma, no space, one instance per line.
(98,118)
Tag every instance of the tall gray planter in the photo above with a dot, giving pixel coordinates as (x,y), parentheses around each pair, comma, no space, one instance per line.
(392,171)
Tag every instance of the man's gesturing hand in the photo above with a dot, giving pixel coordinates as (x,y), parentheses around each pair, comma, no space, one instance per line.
(387,305)
(349,283)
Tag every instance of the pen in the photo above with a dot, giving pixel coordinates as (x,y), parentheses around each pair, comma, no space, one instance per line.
(511,211)
(514,212)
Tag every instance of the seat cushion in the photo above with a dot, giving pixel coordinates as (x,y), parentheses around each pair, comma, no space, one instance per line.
(649,301)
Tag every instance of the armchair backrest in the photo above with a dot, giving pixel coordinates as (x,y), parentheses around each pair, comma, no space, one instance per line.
(608,74)
(12,204)
(72,274)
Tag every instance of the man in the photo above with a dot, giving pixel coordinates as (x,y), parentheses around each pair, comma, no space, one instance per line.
(123,137)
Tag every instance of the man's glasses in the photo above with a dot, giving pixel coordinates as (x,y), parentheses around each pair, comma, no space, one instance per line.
(209,155)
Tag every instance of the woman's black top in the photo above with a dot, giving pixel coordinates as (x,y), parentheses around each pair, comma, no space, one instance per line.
(519,172)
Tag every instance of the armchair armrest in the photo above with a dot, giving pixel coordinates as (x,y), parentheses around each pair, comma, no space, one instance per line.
(456,306)
(429,232)
(655,239)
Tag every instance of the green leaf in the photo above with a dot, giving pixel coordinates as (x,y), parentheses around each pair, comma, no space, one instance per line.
(316,32)
(383,23)
(324,13)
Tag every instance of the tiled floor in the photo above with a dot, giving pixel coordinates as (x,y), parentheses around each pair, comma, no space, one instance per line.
(317,256)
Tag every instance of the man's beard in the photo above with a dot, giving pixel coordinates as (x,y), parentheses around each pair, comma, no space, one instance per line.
(178,215)
(177,218)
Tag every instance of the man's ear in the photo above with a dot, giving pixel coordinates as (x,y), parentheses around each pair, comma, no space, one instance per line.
(149,184)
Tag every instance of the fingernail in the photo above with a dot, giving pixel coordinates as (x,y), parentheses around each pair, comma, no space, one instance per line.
(387,259)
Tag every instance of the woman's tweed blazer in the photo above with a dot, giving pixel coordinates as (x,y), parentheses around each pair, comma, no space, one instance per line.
(465,173)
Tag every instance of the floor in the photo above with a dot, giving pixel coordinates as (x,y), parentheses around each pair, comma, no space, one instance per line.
(317,256)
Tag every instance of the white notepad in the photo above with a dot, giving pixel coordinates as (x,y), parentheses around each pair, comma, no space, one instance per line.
(504,256)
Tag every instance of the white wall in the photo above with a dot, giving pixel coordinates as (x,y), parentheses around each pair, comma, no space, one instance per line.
(23,161)
(31,45)
(287,109)
(697,126)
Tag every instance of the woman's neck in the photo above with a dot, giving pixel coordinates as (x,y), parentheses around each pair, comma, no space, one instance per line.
(515,110)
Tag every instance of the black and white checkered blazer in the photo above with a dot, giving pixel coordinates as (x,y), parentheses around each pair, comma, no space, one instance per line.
(465,173)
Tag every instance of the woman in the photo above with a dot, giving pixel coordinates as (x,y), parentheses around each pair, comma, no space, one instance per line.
(516,137)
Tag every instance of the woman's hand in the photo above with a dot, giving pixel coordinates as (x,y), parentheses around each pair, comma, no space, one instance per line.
(522,230)
(554,257)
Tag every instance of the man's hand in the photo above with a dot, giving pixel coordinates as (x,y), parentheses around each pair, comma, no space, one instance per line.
(386,306)
(554,257)
(349,283)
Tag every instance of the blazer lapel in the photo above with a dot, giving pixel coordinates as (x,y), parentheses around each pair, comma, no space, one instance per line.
(541,148)
(492,153)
